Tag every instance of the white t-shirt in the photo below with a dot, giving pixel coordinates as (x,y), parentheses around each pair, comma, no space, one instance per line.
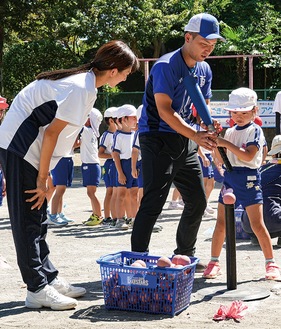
(89,146)
(136,143)
(123,143)
(106,141)
(250,134)
(69,99)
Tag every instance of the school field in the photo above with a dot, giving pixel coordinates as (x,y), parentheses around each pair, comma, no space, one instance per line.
(75,249)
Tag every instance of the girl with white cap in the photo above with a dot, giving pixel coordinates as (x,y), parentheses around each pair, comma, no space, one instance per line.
(244,147)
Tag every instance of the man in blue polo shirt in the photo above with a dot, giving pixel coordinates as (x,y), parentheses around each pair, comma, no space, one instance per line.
(168,141)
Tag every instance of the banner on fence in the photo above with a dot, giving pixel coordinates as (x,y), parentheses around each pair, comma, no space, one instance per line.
(265,112)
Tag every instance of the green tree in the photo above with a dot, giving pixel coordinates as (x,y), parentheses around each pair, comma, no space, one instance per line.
(141,23)
(24,61)
(257,31)
(76,28)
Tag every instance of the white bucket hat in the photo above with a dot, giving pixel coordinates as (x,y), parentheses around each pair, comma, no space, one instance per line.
(95,120)
(241,100)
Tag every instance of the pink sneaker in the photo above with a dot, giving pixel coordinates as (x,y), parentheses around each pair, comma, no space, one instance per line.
(212,271)
(272,271)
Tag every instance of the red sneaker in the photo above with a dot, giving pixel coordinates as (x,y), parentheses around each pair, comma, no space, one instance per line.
(212,271)
(272,271)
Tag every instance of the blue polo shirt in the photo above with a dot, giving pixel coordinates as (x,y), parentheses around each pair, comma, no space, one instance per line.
(166,77)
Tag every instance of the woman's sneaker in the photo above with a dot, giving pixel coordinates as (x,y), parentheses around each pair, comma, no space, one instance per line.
(212,271)
(49,297)
(66,289)
(272,271)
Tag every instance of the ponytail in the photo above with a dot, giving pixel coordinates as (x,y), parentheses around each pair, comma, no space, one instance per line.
(113,54)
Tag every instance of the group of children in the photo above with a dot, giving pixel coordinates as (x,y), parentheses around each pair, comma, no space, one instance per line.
(115,146)
(119,147)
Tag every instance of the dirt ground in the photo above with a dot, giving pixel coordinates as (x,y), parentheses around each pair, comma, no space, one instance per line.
(75,249)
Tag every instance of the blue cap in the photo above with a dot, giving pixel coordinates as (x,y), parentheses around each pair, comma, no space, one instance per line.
(205,25)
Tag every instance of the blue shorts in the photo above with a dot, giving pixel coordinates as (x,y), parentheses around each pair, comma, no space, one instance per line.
(140,179)
(127,170)
(62,174)
(91,174)
(217,175)
(108,176)
(246,185)
(113,175)
(208,172)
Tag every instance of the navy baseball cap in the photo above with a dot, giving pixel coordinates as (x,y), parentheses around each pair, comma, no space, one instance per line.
(205,25)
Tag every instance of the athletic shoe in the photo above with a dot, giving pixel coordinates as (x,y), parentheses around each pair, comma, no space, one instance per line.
(279,242)
(49,297)
(157,228)
(209,209)
(107,221)
(113,222)
(130,222)
(212,271)
(55,220)
(66,289)
(65,218)
(174,205)
(94,220)
(121,224)
(272,271)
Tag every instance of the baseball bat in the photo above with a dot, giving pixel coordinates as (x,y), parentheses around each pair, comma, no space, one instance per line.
(194,91)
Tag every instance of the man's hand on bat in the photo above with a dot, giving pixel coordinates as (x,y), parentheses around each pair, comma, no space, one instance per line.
(206,139)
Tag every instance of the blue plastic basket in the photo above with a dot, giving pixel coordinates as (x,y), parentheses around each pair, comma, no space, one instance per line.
(240,233)
(150,289)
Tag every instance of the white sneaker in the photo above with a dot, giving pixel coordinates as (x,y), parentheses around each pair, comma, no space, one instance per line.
(55,220)
(175,205)
(121,224)
(209,209)
(49,297)
(157,228)
(207,215)
(66,289)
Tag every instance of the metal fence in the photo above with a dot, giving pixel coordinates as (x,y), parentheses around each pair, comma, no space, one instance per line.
(108,99)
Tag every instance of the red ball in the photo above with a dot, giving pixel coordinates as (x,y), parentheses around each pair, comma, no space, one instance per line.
(229,198)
